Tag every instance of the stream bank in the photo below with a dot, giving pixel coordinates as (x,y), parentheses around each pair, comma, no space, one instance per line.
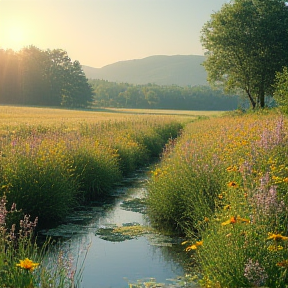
(116,244)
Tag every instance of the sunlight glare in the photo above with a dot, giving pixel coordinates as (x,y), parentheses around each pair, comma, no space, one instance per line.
(16,37)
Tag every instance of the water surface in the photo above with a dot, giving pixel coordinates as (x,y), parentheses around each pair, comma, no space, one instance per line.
(115,263)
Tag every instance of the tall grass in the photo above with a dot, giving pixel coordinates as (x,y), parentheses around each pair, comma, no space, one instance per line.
(23,263)
(224,184)
(49,168)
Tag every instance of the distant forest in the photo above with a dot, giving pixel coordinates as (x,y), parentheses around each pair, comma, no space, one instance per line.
(124,95)
(45,78)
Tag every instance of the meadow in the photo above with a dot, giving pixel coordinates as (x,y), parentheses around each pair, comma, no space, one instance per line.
(223,186)
(52,161)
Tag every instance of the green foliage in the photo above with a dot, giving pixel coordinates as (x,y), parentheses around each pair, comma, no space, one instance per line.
(97,170)
(246,45)
(281,90)
(110,94)
(42,182)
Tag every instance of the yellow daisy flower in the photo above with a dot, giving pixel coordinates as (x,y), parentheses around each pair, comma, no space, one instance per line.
(232,184)
(277,237)
(27,264)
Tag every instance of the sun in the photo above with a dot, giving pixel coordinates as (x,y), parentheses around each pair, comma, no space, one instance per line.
(16,37)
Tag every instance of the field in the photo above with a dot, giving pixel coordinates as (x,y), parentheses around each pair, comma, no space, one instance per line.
(222,183)
(14,116)
(53,160)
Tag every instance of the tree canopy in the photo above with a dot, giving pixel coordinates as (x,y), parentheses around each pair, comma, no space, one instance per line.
(45,78)
(246,43)
(281,90)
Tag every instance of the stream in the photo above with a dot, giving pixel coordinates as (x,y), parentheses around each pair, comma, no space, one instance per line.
(133,254)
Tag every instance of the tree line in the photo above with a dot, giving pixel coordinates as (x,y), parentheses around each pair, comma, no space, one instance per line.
(45,78)
(111,94)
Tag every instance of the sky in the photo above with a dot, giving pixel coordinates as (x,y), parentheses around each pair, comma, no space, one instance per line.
(101,32)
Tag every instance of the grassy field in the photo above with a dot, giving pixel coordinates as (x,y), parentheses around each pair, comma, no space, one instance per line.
(53,160)
(74,155)
(14,116)
(224,184)
(189,113)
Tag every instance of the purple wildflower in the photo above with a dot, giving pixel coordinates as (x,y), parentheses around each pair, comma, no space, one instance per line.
(270,139)
(266,200)
(3,211)
(254,273)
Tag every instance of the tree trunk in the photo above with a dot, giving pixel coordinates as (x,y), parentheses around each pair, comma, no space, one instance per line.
(253,103)
(262,99)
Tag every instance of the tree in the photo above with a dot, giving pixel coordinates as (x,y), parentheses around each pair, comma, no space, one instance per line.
(77,92)
(281,90)
(34,81)
(246,44)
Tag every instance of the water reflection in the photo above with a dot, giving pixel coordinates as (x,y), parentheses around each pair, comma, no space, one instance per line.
(116,263)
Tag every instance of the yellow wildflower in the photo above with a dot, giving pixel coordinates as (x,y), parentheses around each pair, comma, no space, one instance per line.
(231,168)
(277,237)
(274,248)
(194,246)
(27,264)
(283,263)
(227,207)
(191,247)
(234,220)
(232,184)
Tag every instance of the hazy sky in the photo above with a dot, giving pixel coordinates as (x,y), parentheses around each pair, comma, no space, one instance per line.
(101,32)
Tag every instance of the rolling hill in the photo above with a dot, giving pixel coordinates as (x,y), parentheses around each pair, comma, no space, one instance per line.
(182,70)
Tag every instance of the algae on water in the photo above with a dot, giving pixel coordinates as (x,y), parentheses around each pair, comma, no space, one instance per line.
(125,232)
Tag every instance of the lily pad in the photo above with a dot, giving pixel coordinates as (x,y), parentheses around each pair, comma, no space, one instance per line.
(134,205)
(125,232)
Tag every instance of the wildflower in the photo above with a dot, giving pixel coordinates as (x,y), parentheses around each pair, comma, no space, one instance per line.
(283,264)
(220,196)
(266,200)
(277,237)
(255,274)
(234,220)
(232,184)
(275,248)
(285,180)
(194,246)
(227,207)
(27,264)
(231,169)
(206,219)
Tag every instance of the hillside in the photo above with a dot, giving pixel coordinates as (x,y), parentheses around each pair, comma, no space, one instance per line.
(180,70)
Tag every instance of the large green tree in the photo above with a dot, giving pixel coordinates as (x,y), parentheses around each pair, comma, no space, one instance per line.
(246,43)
